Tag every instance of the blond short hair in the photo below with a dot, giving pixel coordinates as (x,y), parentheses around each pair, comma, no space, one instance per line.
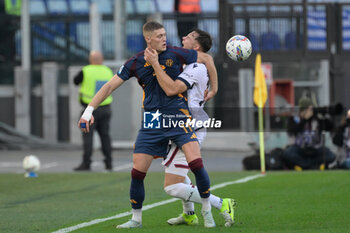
(151,26)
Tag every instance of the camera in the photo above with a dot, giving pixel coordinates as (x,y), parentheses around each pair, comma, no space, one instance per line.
(332,110)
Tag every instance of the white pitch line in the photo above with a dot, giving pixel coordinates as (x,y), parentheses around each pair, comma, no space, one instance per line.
(49,165)
(10,164)
(123,167)
(147,207)
(44,166)
(243,180)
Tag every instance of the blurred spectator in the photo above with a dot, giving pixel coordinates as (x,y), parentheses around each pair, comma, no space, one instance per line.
(341,139)
(308,151)
(92,78)
(187,20)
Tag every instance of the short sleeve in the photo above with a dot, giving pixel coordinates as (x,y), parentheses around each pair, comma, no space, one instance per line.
(191,74)
(124,71)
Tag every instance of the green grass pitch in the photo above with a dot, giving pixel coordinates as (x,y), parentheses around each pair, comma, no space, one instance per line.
(312,201)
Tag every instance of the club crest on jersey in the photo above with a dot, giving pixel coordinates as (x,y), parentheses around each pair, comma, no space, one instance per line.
(169,62)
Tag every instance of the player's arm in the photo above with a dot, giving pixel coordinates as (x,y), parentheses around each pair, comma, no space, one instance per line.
(169,86)
(213,75)
(105,91)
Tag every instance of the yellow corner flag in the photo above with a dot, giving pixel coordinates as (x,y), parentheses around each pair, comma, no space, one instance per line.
(260,97)
(260,90)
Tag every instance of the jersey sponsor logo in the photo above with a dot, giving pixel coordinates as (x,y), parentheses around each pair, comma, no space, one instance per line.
(169,62)
(151,120)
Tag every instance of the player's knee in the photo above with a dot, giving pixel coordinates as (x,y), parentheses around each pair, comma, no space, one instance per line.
(172,190)
(137,175)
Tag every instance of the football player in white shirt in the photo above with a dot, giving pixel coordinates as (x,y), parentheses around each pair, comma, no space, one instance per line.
(194,79)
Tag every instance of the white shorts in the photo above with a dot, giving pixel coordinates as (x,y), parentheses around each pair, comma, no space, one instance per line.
(175,162)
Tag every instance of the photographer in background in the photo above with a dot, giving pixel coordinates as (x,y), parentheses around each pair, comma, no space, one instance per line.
(341,139)
(307,151)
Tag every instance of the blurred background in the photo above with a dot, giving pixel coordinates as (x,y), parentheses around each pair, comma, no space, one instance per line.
(305,48)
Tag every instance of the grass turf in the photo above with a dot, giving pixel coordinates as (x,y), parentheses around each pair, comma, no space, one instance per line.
(279,202)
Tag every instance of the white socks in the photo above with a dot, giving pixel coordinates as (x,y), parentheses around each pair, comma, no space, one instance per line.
(206,204)
(215,201)
(137,215)
(188,207)
(181,190)
(189,193)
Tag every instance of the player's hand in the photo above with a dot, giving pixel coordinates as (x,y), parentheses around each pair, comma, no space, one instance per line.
(209,95)
(86,119)
(84,125)
(151,56)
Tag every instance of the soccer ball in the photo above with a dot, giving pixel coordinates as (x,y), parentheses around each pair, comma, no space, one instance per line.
(238,48)
(31,163)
